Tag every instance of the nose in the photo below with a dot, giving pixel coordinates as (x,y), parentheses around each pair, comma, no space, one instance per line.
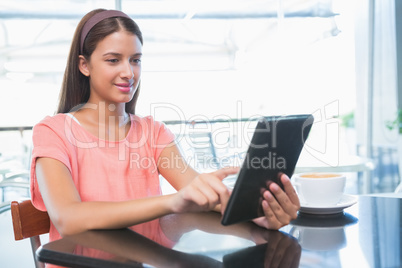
(127,71)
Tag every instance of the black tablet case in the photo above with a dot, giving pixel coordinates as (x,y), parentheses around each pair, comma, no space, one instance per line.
(275,148)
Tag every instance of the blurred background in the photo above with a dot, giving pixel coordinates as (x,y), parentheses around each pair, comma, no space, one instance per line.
(222,64)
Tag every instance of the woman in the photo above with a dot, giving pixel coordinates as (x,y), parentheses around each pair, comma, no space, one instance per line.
(96,164)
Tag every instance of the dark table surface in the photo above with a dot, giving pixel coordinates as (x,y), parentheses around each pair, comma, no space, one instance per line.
(367,234)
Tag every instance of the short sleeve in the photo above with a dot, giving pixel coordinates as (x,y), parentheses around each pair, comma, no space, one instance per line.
(162,136)
(47,142)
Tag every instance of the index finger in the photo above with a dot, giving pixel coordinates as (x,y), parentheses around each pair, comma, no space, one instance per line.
(226,171)
(290,191)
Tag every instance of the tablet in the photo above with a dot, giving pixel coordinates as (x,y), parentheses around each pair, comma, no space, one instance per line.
(274,149)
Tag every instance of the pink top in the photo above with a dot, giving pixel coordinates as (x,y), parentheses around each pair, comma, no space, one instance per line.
(103,170)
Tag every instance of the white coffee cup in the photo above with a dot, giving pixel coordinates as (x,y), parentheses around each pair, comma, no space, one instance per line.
(319,189)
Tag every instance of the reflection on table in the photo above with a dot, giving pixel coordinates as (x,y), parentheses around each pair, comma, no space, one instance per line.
(239,245)
(368,234)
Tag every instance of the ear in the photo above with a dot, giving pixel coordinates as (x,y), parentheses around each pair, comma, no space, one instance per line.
(83,65)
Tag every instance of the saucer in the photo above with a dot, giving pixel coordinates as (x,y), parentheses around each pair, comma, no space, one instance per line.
(345,202)
(338,220)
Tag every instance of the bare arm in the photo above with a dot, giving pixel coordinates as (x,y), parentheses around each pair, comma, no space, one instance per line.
(205,190)
(70,215)
(173,167)
(197,192)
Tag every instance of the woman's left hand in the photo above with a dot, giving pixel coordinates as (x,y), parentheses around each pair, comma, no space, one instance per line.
(280,207)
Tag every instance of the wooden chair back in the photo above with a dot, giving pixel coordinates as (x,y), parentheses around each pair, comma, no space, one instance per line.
(29,222)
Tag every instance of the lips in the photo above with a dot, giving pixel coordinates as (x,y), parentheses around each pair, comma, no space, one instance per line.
(124,87)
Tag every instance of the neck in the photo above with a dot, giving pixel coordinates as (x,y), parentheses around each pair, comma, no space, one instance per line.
(112,114)
(109,121)
(107,114)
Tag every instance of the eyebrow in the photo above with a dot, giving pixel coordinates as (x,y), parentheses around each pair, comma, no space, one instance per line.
(119,54)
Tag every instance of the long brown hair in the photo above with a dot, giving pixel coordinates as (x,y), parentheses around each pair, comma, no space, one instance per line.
(75,88)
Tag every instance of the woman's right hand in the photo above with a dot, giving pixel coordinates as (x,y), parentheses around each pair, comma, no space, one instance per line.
(204,192)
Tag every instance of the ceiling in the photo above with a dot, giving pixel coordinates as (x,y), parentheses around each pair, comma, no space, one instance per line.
(179,36)
(35,40)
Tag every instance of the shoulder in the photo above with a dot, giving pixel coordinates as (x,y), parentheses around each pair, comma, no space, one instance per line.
(146,121)
(52,121)
(50,125)
(150,127)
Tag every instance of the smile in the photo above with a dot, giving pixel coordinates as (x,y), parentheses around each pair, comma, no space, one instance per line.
(124,87)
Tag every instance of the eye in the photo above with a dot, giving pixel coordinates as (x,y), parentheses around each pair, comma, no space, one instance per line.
(136,61)
(112,60)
